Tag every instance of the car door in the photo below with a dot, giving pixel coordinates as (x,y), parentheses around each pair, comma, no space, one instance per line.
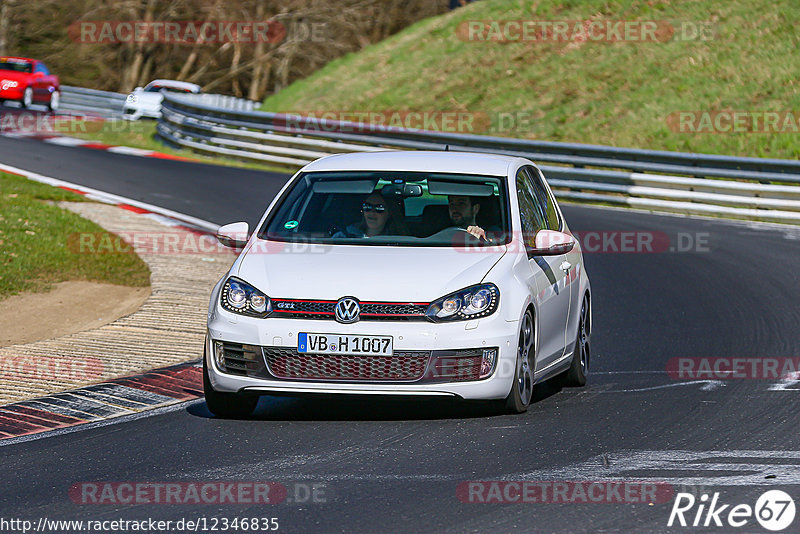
(570,263)
(551,272)
(40,92)
(49,81)
(574,264)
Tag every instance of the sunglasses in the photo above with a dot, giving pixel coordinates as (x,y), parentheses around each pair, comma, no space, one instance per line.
(366,206)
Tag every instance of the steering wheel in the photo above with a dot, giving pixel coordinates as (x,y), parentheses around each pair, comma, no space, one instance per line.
(453,231)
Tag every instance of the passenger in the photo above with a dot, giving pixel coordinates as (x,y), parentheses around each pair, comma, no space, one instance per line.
(378,217)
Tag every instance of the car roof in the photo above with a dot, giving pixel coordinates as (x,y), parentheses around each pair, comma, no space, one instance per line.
(419,161)
(176,84)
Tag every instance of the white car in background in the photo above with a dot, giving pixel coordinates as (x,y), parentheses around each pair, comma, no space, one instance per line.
(365,277)
(146,101)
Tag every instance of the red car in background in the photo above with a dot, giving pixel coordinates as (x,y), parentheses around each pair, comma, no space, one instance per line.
(29,82)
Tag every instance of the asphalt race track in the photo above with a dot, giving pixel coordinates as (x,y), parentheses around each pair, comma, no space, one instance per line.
(396,466)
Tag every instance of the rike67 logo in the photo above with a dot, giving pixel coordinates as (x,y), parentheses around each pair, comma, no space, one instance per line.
(774,510)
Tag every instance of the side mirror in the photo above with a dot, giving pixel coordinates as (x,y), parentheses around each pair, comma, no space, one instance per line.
(233,235)
(550,243)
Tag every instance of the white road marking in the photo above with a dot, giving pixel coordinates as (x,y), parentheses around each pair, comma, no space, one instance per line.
(707,385)
(628,373)
(67,141)
(166,221)
(786,383)
(701,468)
(129,151)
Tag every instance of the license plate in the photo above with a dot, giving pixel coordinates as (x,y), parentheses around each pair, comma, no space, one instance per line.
(344,344)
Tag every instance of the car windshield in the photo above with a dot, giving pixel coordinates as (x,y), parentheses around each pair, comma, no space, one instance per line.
(16,65)
(391,208)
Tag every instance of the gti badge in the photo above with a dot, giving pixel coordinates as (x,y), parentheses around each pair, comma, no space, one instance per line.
(347,310)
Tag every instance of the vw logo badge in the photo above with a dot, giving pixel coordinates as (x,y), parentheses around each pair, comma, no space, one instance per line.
(347,310)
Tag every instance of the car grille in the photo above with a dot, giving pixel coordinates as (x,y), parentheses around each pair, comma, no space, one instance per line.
(456,366)
(287,363)
(370,311)
(241,359)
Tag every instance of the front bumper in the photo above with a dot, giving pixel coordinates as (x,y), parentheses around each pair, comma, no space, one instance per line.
(135,111)
(15,93)
(409,337)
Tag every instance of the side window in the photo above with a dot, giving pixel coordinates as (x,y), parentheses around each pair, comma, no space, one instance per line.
(43,69)
(546,200)
(531,216)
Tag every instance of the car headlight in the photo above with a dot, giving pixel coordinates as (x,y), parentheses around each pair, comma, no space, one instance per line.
(131,99)
(240,297)
(472,302)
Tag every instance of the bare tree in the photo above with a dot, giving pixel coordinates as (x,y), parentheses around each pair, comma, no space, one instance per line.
(316,31)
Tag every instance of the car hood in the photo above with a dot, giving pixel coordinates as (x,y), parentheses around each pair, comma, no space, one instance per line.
(369,273)
(147,97)
(14,75)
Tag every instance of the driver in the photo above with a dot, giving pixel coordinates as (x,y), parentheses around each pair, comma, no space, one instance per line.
(463,210)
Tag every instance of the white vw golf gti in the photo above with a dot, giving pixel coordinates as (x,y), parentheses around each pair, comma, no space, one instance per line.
(401,273)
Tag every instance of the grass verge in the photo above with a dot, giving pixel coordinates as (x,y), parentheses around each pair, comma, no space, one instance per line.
(626,93)
(35,237)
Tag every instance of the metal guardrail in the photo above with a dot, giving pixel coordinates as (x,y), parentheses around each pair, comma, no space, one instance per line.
(108,104)
(222,101)
(91,101)
(699,184)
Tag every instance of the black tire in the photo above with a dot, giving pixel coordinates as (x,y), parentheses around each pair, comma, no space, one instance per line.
(579,369)
(228,405)
(522,389)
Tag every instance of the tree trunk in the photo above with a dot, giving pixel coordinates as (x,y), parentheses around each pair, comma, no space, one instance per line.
(144,77)
(190,61)
(133,73)
(258,66)
(237,55)
(5,15)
